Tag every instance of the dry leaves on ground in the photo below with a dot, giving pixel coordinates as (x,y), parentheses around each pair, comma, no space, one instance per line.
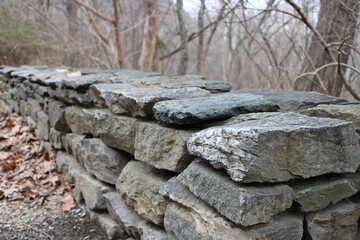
(27,170)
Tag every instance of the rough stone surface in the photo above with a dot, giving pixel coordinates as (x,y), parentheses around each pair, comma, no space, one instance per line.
(217,107)
(81,82)
(72,143)
(314,195)
(339,221)
(279,148)
(125,77)
(31,122)
(67,165)
(102,161)
(149,231)
(92,191)
(293,100)
(123,214)
(42,128)
(243,204)
(112,230)
(162,147)
(210,85)
(156,81)
(139,184)
(34,108)
(57,116)
(78,120)
(138,102)
(55,138)
(350,112)
(192,218)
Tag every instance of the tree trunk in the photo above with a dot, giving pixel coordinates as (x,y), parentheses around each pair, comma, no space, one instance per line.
(120,58)
(149,60)
(182,68)
(200,49)
(336,24)
(71,11)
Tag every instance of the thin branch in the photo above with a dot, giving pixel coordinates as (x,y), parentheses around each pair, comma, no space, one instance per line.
(96,12)
(100,34)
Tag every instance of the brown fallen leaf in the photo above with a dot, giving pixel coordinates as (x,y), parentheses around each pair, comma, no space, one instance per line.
(67,203)
(8,165)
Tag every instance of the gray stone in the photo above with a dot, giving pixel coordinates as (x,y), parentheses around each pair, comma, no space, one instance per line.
(313,195)
(339,221)
(150,231)
(83,82)
(162,147)
(112,230)
(350,112)
(139,184)
(106,71)
(138,102)
(31,122)
(192,218)
(278,148)
(125,77)
(72,144)
(123,214)
(156,81)
(217,107)
(102,161)
(55,138)
(210,85)
(243,204)
(57,116)
(33,108)
(42,128)
(68,166)
(92,190)
(78,120)
(24,108)
(293,100)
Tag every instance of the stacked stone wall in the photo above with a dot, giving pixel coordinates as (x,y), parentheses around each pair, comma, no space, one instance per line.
(158,157)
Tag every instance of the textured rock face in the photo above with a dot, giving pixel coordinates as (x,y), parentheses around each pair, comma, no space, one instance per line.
(34,108)
(83,82)
(102,161)
(77,120)
(124,214)
(335,222)
(293,100)
(242,204)
(57,116)
(42,127)
(216,107)
(210,85)
(139,184)
(279,148)
(72,143)
(350,112)
(55,138)
(192,218)
(314,195)
(138,102)
(162,147)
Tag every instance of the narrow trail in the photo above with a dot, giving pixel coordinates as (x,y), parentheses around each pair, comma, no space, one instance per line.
(35,200)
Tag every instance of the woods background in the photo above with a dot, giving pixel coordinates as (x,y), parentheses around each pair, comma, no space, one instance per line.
(281,44)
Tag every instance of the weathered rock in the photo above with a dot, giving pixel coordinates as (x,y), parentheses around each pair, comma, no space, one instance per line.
(33,108)
(313,195)
(55,138)
(102,161)
(349,112)
(138,102)
(192,218)
(123,214)
(107,71)
(24,108)
(78,121)
(72,144)
(293,100)
(31,122)
(279,148)
(156,81)
(139,184)
(243,204)
(150,231)
(92,191)
(83,82)
(112,230)
(42,127)
(68,166)
(57,116)
(339,221)
(162,147)
(125,77)
(216,107)
(210,85)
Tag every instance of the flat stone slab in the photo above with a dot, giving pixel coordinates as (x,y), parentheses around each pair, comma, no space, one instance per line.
(126,77)
(348,112)
(84,82)
(216,107)
(210,85)
(293,100)
(279,148)
(138,102)
(188,217)
(339,221)
(156,81)
(103,162)
(243,204)
(313,195)
(162,147)
(139,185)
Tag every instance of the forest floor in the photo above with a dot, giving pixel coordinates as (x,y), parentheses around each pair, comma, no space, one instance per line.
(36,201)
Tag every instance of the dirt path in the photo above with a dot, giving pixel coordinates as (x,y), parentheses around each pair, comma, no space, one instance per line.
(35,200)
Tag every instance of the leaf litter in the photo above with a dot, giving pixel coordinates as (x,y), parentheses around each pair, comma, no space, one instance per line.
(27,169)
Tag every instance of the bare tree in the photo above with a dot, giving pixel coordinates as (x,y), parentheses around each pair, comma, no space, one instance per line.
(200,50)
(182,68)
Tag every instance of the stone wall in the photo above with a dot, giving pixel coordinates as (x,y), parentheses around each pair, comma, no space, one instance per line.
(156,157)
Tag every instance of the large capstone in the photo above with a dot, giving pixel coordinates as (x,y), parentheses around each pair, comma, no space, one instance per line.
(279,148)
